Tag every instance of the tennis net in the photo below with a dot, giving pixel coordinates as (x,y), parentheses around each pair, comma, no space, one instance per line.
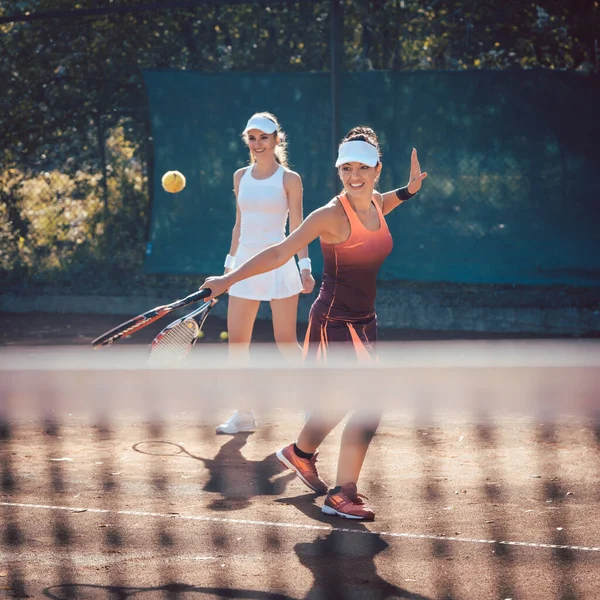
(483,474)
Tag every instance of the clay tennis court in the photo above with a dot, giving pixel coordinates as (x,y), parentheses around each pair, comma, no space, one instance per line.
(484,474)
(130,507)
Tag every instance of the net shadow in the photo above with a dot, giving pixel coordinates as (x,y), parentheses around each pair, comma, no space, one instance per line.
(12,538)
(62,531)
(433,494)
(107,473)
(488,446)
(547,440)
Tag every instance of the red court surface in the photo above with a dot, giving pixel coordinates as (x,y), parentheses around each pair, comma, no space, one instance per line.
(129,508)
(34,329)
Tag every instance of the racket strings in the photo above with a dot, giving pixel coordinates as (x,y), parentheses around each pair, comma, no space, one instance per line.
(126,329)
(174,344)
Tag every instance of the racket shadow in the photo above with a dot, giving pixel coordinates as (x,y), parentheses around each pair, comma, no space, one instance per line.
(233,477)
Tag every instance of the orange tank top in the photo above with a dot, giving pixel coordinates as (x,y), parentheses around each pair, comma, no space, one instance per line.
(350,268)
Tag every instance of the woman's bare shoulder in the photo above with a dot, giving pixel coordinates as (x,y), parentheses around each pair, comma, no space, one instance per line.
(289,175)
(291,180)
(334,205)
(331,221)
(238,174)
(378,198)
(331,211)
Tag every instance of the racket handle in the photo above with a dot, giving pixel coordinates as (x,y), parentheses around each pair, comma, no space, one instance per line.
(199,295)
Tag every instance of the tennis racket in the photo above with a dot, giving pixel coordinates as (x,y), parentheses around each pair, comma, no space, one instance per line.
(177,339)
(141,321)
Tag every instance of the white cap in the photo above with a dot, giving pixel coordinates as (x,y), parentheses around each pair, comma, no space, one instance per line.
(262,124)
(357,151)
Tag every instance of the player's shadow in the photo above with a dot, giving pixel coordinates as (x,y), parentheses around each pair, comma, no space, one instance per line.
(343,562)
(236,479)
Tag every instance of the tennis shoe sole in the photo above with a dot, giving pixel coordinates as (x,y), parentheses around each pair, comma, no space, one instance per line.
(286,463)
(331,511)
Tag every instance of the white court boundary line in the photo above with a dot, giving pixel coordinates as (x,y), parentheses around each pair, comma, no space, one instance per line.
(413,536)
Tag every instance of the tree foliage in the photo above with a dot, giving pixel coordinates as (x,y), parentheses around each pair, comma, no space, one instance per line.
(467,34)
(74,121)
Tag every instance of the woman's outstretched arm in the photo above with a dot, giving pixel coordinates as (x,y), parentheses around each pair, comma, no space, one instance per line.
(315,225)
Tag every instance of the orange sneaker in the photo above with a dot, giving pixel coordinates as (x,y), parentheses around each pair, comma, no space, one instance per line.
(347,503)
(305,468)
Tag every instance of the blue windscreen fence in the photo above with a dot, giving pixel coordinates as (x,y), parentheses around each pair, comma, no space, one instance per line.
(513,160)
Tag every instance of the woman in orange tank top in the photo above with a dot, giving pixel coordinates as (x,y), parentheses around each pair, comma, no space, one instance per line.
(355,241)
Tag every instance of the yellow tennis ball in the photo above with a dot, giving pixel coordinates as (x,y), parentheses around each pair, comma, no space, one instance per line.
(200,334)
(173,181)
(223,335)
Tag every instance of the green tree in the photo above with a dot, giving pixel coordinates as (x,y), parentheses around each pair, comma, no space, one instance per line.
(73,85)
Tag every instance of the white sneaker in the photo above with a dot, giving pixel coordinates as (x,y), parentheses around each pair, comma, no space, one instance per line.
(239,421)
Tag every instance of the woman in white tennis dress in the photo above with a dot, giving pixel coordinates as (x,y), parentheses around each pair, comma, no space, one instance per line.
(267,193)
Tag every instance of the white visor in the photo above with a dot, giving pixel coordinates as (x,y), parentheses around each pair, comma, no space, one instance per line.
(357,151)
(262,124)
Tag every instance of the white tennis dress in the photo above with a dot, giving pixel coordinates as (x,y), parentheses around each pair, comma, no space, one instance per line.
(264,209)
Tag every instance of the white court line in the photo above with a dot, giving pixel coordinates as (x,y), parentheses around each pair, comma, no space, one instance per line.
(413,536)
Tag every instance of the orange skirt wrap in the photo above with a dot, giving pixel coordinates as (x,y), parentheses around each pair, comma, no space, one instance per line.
(328,332)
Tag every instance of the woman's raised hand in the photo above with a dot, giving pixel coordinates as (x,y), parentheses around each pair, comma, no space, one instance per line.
(416,177)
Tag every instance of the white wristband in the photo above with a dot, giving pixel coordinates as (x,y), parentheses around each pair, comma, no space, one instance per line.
(304,263)
(229,261)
